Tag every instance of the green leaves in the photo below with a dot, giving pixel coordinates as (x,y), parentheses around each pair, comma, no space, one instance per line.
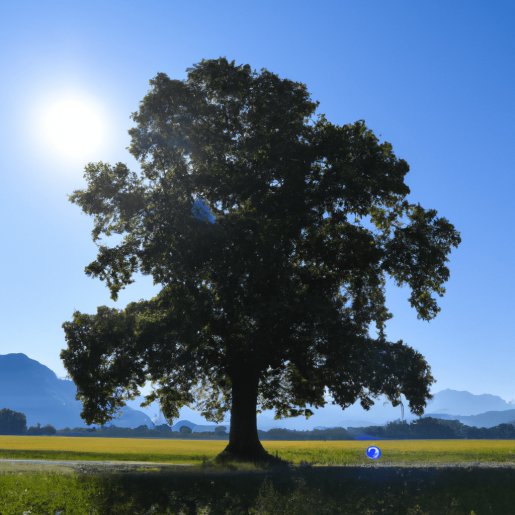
(417,255)
(311,220)
(101,360)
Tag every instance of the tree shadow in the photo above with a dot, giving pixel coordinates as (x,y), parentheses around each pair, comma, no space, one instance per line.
(308,490)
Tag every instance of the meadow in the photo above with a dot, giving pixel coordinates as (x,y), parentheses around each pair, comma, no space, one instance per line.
(300,490)
(318,453)
(413,477)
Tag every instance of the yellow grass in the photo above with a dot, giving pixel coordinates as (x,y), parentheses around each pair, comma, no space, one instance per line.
(111,445)
(316,452)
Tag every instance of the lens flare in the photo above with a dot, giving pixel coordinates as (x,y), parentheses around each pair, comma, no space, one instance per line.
(72,127)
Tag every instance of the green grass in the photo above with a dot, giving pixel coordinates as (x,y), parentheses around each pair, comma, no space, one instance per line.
(45,492)
(318,490)
(399,452)
(395,452)
(337,483)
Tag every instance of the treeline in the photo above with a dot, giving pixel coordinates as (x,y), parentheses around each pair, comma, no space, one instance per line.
(423,428)
(15,423)
(162,431)
(434,428)
(334,433)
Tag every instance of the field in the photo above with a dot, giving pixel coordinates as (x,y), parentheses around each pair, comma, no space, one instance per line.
(413,477)
(303,490)
(395,452)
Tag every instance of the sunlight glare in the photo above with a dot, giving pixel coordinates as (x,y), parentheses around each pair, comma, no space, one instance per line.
(73,127)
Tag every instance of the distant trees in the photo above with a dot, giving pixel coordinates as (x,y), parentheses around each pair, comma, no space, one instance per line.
(39,430)
(434,428)
(12,422)
(15,423)
(163,428)
(501,432)
(330,433)
(422,428)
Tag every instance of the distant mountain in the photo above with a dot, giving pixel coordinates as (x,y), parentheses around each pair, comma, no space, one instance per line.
(333,416)
(179,425)
(32,388)
(488,419)
(451,404)
(159,419)
(465,403)
(383,412)
(473,410)
(460,404)
(447,404)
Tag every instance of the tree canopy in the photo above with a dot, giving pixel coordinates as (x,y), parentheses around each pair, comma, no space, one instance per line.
(12,422)
(271,233)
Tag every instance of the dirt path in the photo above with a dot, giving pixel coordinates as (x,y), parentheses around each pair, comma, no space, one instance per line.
(87,465)
(128,466)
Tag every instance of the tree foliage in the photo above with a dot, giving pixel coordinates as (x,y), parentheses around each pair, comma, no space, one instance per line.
(39,430)
(12,422)
(276,295)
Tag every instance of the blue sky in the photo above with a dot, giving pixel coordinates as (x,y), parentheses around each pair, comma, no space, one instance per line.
(436,79)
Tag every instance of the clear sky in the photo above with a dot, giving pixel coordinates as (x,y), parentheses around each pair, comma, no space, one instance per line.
(436,79)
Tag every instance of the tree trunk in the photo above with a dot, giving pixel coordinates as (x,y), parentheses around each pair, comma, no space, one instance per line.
(244,444)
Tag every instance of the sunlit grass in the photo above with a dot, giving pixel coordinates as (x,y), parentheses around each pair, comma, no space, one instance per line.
(120,449)
(298,490)
(313,452)
(45,492)
(397,451)
(66,488)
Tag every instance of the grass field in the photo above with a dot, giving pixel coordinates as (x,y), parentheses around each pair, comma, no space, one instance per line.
(395,452)
(296,491)
(402,482)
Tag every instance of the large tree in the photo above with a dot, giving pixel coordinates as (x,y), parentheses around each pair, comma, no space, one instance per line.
(271,233)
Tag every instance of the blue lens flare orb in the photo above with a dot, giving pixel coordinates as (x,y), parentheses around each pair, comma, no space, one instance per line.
(373,452)
(200,210)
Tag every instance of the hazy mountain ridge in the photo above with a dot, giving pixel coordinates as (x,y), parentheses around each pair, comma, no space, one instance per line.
(32,388)
(464,403)
(488,419)
(483,410)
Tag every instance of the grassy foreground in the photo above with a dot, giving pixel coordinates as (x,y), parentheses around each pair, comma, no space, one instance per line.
(395,452)
(304,490)
(341,485)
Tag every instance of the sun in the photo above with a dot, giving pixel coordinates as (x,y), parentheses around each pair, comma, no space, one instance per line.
(72,127)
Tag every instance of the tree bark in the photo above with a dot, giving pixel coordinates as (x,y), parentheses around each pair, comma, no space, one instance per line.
(244,444)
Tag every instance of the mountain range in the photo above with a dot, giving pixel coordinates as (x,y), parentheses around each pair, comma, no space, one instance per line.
(487,419)
(476,410)
(32,388)
(465,403)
